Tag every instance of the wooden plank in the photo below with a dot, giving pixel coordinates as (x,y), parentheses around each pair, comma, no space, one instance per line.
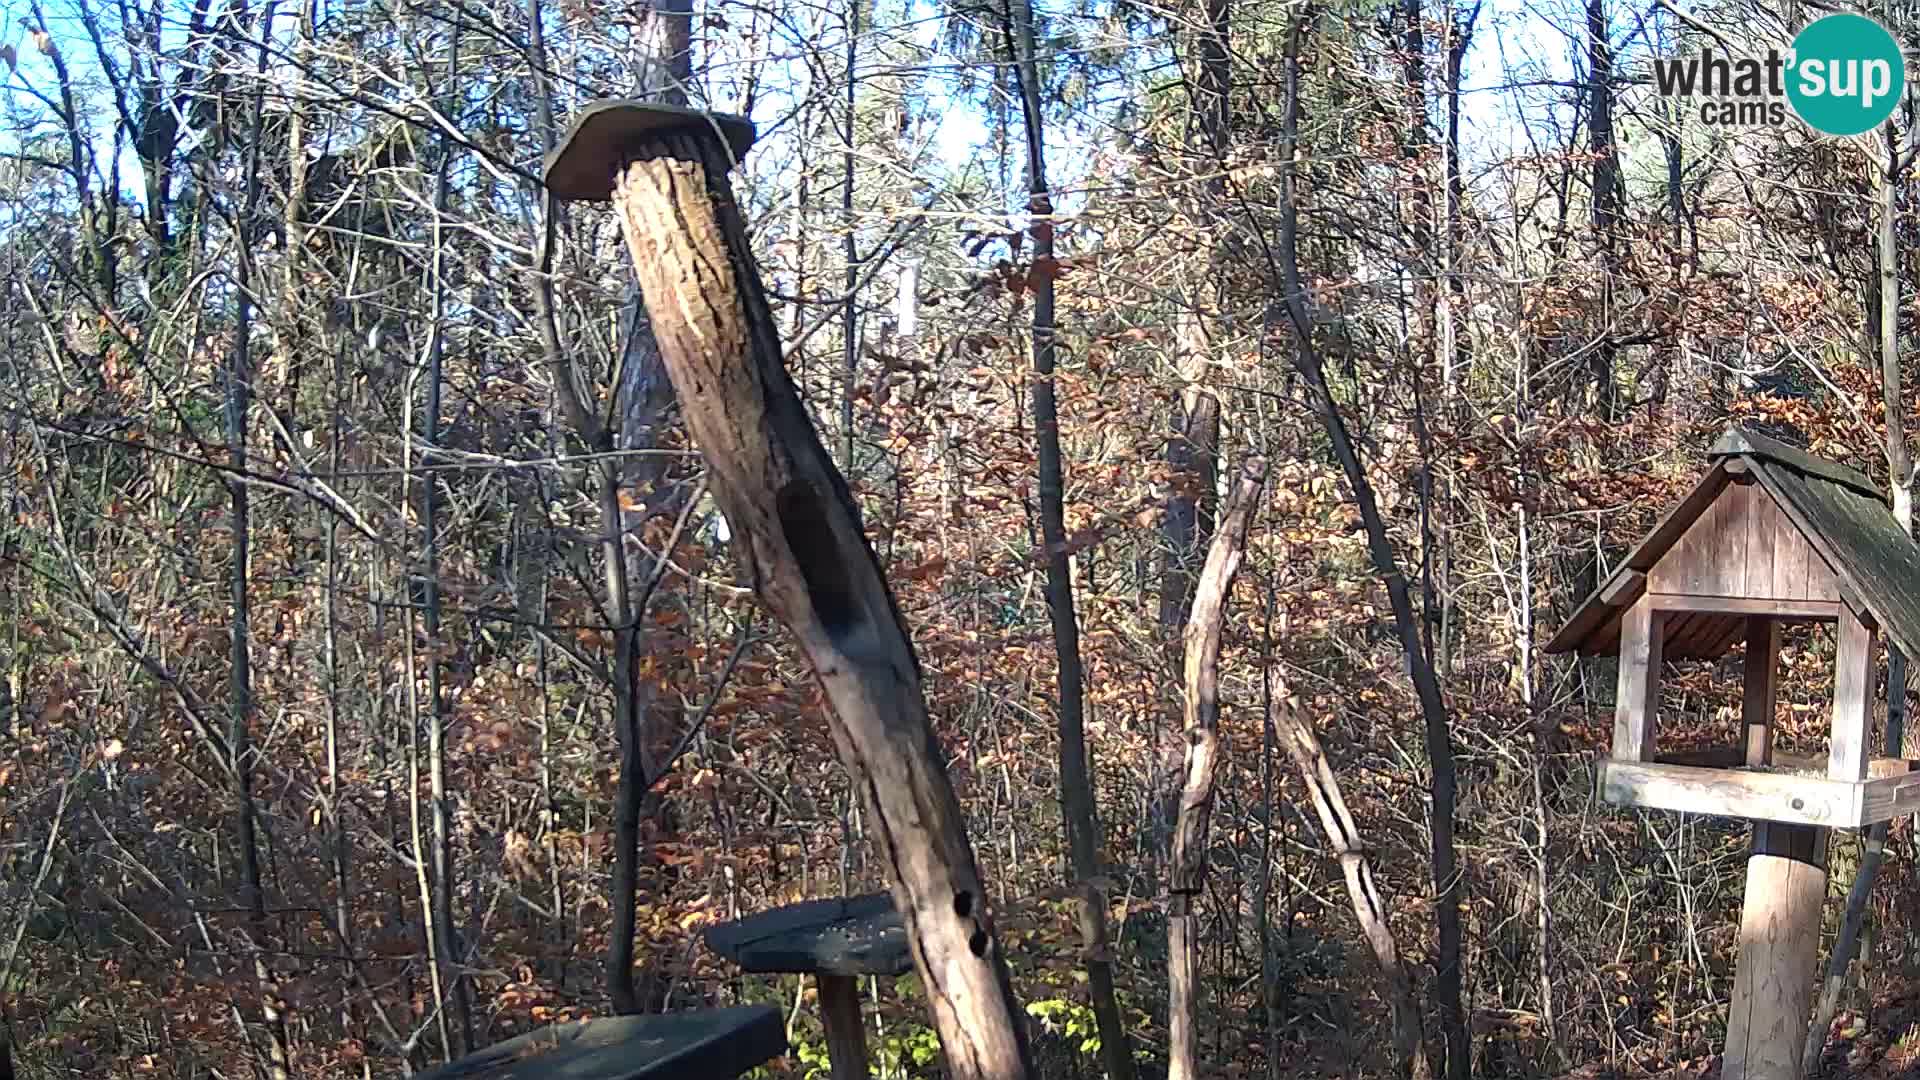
(1637,700)
(1593,614)
(846,1035)
(855,935)
(1758,676)
(1805,765)
(1779,551)
(1760,796)
(1676,626)
(1761,541)
(1816,610)
(1854,602)
(1755,448)
(1779,949)
(1733,630)
(1813,574)
(1703,550)
(1852,699)
(1890,796)
(1668,550)
(1822,582)
(706,1042)
(1730,541)
(1701,636)
(1622,588)
(1790,554)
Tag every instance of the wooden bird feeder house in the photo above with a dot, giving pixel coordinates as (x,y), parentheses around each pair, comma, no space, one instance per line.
(1770,535)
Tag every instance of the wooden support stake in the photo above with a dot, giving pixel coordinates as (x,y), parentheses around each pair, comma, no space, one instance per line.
(1757,696)
(1779,952)
(1637,702)
(798,534)
(1852,698)
(846,1036)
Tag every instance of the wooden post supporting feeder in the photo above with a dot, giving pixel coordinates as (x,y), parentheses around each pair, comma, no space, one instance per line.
(836,942)
(798,533)
(1770,535)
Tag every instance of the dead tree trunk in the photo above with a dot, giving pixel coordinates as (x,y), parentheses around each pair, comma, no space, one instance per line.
(1343,842)
(1447,988)
(1202,724)
(797,530)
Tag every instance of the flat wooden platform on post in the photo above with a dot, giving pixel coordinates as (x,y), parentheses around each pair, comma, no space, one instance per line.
(835,941)
(702,1043)
(1785,794)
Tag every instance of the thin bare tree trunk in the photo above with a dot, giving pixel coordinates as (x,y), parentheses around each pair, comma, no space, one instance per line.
(336,830)
(451,953)
(1605,156)
(1439,736)
(1202,727)
(239,393)
(1193,445)
(1900,472)
(1076,780)
(849,246)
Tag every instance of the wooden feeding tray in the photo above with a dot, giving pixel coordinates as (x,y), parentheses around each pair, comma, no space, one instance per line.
(835,941)
(1794,790)
(700,1043)
(860,935)
(1770,535)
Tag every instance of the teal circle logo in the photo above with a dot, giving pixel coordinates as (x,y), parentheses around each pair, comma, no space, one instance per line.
(1846,74)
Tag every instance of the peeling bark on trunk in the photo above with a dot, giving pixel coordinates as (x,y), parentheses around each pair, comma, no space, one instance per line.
(798,532)
(1202,723)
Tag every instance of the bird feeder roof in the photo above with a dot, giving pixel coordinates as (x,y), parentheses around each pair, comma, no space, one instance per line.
(1834,510)
(604,133)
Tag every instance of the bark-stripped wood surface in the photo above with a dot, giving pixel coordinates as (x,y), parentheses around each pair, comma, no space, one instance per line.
(1202,726)
(1854,653)
(798,533)
(1637,697)
(1779,951)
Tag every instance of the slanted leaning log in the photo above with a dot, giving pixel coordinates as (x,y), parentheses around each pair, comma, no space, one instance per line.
(798,533)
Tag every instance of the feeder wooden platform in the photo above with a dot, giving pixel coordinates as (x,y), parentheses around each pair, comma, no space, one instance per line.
(835,941)
(1770,535)
(860,935)
(1798,794)
(701,1043)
